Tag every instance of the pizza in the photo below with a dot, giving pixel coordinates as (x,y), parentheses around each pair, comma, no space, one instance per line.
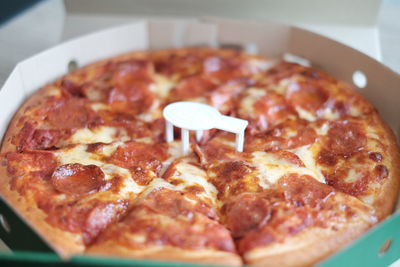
(86,164)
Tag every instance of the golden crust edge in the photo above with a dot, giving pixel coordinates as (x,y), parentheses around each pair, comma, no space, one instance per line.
(388,193)
(208,256)
(310,246)
(64,243)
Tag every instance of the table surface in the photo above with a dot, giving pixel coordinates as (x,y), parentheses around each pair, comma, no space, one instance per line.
(19,40)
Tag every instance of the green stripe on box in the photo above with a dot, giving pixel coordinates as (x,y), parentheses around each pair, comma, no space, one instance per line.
(366,251)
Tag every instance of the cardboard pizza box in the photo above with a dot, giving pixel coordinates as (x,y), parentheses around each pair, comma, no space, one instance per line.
(351,22)
(379,247)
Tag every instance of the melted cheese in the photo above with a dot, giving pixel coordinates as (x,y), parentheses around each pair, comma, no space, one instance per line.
(99,106)
(191,175)
(54,91)
(247,103)
(323,130)
(329,114)
(352,176)
(280,87)
(93,95)
(156,184)
(262,64)
(307,155)
(270,168)
(154,112)
(162,85)
(78,154)
(304,114)
(103,134)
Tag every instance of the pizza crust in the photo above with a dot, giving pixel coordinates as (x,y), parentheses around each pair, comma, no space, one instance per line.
(306,248)
(389,191)
(110,249)
(64,243)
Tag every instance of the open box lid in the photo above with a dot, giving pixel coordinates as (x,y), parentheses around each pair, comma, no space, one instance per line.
(264,38)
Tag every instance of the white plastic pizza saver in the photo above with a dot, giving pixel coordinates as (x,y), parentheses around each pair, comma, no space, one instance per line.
(191,116)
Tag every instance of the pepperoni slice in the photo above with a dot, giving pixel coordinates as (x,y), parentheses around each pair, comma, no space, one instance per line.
(218,149)
(69,113)
(246,213)
(140,158)
(72,88)
(285,70)
(290,157)
(31,138)
(234,177)
(355,175)
(131,81)
(86,216)
(192,87)
(282,70)
(130,72)
(184,65)
(306,95)
(346,137)
(288,135)
(223,97)
(191,231)
(132,100)
(76,178)
(270,109)
(99,217)
(223,69)
(304,190)
(174,203)
(40,163)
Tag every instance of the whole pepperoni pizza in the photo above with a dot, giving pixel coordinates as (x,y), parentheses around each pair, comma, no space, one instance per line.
(85,162)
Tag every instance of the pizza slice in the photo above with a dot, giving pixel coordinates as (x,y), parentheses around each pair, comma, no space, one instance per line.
(70,195)
(355,154)
(174,219)
(277,203)
(116,100)
(311,93)
(297,223)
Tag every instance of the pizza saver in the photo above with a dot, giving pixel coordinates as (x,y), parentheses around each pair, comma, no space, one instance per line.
(191,116)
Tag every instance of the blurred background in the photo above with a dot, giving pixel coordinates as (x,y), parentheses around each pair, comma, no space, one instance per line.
(30,26)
